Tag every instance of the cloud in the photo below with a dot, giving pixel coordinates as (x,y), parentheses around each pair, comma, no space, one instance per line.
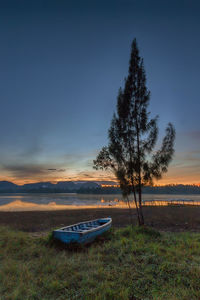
(21,171)
(30,165)
(56,170)
(30,172)
(63,167)
(185,168)
(87,175)
(61,170)
(183,158)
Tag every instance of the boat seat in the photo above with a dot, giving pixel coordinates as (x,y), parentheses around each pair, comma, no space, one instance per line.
(82,227)
(74,228)
(90,227)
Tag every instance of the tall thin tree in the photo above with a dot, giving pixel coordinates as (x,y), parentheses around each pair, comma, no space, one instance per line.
(132,138)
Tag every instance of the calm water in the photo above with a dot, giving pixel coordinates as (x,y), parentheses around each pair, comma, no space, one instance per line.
(16,202)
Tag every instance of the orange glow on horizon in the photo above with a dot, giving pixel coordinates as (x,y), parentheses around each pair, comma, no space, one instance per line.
(167,181)
(174,176)
(56,179)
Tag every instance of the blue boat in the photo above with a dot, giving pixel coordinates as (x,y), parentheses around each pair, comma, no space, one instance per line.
(84,232)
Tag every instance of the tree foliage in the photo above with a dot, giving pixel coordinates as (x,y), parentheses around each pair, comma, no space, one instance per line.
(132,137)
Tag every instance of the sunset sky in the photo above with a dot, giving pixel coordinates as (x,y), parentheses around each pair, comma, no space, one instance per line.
(61,65)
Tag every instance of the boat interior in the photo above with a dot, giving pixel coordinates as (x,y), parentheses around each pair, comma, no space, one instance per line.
(84,226)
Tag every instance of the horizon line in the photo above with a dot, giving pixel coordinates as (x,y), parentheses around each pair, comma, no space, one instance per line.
(98,181)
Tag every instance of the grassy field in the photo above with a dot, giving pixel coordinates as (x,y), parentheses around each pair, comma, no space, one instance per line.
(125,263)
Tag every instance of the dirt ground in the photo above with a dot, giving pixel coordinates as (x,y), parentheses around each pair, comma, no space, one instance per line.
(162,218)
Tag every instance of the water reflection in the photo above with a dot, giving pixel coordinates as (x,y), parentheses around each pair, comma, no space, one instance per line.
(29,202)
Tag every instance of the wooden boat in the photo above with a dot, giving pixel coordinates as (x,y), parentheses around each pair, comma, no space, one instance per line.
(84,232)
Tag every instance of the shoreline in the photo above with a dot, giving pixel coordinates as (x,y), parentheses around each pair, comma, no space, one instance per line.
(165,218)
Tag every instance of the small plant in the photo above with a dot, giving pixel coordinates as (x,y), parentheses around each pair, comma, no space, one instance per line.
(152,233)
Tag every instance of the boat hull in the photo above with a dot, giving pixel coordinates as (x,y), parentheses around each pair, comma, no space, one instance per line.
(82,237)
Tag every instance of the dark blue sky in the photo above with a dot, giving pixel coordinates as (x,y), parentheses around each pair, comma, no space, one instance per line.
(61,65)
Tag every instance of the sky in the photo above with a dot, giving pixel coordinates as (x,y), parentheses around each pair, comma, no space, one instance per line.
(61,66)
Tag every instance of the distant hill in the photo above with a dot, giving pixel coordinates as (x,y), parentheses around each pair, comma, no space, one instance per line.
(91,187)
(38,185)
(66,185)
(6,185)
(48,187)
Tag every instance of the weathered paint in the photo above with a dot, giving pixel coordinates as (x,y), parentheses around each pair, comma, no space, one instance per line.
(87,236)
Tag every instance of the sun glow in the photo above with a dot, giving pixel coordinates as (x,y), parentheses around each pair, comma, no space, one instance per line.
(171,178)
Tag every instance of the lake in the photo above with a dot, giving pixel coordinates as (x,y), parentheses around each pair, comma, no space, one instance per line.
(25,202)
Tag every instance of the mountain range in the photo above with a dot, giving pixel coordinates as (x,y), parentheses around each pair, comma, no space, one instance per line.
(61,186)
(92,187)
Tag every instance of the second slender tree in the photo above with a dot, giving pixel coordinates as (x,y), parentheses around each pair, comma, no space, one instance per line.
(132,138)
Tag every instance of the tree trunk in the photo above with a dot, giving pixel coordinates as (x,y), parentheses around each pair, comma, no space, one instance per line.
(130,211)
(139,175)
(136,206)
(140,206)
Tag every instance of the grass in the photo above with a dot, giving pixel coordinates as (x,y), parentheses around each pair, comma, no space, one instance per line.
(127,263)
